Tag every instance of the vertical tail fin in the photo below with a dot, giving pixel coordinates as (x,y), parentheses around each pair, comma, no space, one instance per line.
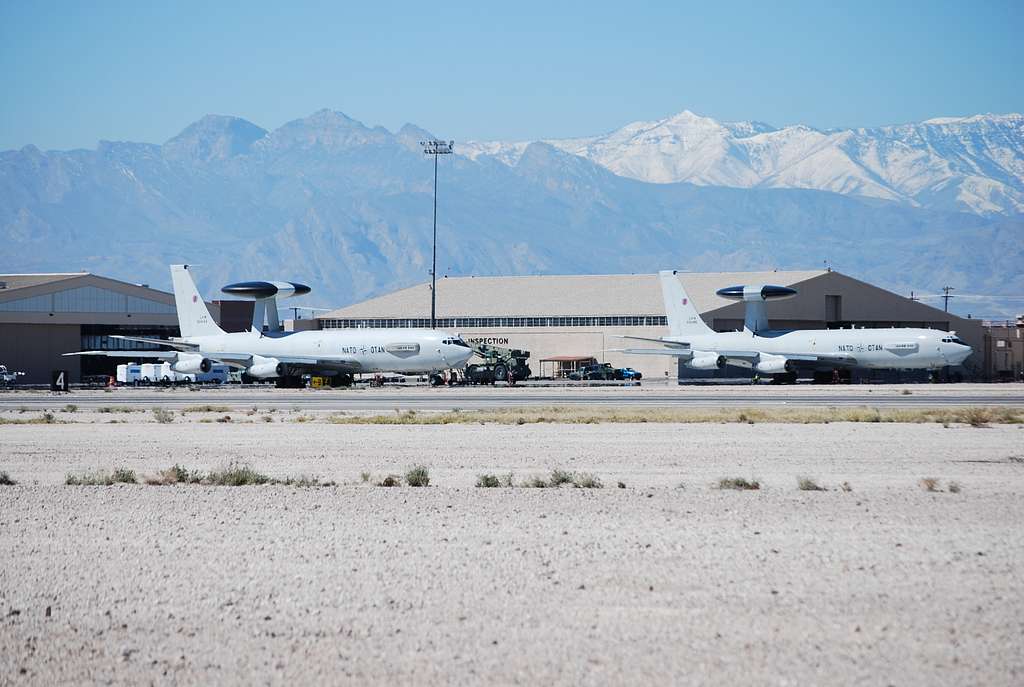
(193,317)
(683,318)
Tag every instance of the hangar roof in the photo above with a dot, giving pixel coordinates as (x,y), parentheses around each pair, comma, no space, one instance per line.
(83,298)
(21,281)
(546,295)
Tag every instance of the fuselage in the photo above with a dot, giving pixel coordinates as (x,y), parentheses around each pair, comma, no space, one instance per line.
(870,348)
(412,351)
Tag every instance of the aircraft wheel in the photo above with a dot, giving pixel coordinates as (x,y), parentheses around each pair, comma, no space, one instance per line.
(436,380)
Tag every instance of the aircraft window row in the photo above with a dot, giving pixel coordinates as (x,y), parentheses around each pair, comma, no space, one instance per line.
(458,322)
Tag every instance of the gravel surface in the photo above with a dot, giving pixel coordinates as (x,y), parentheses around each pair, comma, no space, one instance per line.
(653,583)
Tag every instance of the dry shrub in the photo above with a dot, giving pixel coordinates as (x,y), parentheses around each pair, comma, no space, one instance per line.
(418,476)
(808,484)
(589,415)
(585,480)
(175,475)
(236,476)
(560,477)
(100,478)
(207,408)
(739,483)
(930,484)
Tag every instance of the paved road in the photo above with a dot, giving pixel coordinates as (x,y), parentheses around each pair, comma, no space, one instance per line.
(386,400)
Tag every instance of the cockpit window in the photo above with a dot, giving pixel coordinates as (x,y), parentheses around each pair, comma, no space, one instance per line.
(455,342)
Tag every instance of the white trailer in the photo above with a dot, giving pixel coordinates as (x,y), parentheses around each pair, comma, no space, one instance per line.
(129,373)
(150,373)
(218,374)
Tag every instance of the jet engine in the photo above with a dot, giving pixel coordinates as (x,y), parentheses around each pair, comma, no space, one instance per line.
(268,368)
(773,364)
(706,361)
(191,363)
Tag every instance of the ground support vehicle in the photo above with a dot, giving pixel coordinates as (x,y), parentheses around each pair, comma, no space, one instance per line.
(497,365)
(8,377)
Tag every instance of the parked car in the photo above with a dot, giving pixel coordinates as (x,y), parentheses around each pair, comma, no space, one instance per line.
(597,371)
(605,372)
(629,373)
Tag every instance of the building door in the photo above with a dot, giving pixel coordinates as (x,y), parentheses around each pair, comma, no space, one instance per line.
(833,308)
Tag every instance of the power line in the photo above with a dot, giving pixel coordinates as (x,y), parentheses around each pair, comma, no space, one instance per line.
(945,297)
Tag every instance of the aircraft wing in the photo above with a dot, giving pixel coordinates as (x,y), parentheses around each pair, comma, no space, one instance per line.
(663,342)
(159,342)
(163,355)
(832,358)
(809,358)
(244,360)
(239,361)
(676,352)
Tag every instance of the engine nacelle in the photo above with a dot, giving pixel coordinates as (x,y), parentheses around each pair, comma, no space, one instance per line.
(268,369)
(706,361)
(191,363)
(773,364)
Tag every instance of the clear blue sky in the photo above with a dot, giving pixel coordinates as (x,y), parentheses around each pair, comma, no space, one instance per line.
(72,73)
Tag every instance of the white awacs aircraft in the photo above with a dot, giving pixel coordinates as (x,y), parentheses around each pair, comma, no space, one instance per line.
(782,351)
(337,354)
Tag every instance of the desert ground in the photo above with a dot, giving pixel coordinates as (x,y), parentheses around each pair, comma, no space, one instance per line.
(667,579)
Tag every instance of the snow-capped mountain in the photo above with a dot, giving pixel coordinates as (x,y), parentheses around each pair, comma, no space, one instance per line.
(346,208)
(973,164)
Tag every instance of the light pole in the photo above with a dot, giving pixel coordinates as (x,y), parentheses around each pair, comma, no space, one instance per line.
(435,148)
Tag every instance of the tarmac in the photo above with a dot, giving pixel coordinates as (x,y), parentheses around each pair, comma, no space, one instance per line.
(655,395)
(666,580)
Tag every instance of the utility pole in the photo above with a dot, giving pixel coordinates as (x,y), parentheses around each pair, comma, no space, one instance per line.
(946,296)
(435,148)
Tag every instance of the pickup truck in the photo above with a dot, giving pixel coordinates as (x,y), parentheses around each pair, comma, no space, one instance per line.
(605,372)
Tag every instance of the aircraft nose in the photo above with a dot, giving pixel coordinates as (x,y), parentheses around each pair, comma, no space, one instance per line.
(961,353)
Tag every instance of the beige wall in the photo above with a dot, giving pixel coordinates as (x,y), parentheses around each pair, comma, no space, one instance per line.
(36,350)
(547,342)
(1004,352)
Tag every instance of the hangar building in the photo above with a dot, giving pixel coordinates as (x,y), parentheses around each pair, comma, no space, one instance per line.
(45,315)
(562,320)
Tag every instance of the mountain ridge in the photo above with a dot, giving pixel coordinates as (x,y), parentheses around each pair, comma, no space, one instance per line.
(346,207)
(973,163)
